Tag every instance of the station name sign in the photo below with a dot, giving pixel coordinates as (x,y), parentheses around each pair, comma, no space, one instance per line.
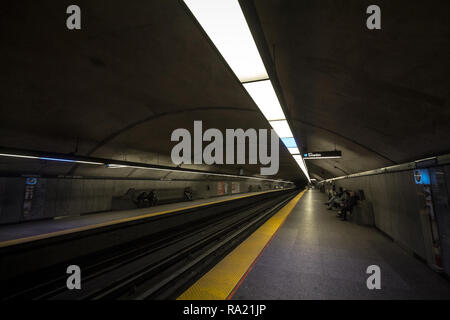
(322,155)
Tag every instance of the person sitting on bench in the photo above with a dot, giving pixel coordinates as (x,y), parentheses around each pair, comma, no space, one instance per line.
(335,200)
(347,205)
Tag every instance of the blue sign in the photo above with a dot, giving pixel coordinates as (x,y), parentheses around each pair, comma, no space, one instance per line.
(421,176)
(31,181)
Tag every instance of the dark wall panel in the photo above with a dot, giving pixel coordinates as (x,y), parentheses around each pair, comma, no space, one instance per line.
(70,197)
(397,203)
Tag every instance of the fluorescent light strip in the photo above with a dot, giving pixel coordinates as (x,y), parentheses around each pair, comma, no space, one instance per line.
(297,157)
(266,99)
(114,166)
(48,159)
(282,129)
(225,24)
(70,160)
(294,150)
(302,165)
(17,156)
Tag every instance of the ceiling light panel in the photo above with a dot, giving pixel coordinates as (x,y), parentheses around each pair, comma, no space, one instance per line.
(302,165)
(225,24)
(281,128)
(265,98)
(297,157)
(289,142)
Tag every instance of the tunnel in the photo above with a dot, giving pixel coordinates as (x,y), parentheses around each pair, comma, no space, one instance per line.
(225,150)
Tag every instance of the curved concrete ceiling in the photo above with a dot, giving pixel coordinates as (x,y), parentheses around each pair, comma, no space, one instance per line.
(139,69)
(136,71)
(382,97)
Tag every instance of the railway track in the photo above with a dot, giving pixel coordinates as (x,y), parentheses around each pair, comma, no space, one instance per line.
(160,266)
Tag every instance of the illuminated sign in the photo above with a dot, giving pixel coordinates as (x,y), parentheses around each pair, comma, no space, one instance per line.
(31,181)
(421,176)
(30,185)
(322,155)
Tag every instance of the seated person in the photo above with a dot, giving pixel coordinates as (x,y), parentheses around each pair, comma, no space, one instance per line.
(336,200)
(331,195)
(347,205)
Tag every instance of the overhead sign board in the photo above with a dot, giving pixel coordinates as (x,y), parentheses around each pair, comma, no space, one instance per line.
(322,155)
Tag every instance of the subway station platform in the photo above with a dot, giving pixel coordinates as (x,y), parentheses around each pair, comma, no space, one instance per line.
(34,230)
(315,255)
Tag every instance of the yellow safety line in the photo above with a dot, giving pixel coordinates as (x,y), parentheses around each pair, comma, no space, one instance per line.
(117,221)
(219,282)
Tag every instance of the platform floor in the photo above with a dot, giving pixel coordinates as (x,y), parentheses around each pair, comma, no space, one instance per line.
(315,255)
(30,229)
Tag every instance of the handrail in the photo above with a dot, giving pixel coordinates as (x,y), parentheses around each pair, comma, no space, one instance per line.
(422,163)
